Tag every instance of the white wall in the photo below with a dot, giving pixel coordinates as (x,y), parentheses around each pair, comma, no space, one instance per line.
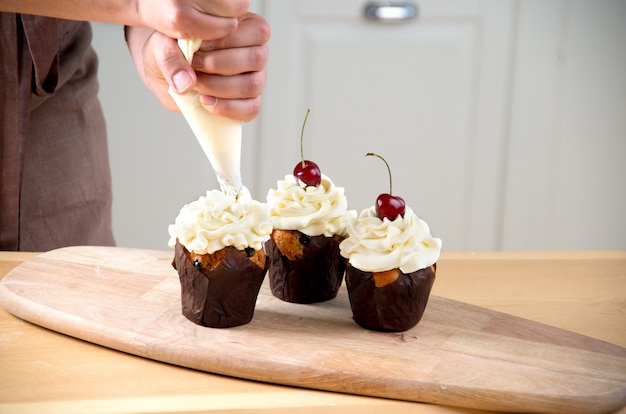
(566,181)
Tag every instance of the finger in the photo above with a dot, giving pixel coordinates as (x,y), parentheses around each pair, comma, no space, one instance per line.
(232,61)
(252,30)
(198,25)
(244,110)
(211,20)
(242,86)
(225,8)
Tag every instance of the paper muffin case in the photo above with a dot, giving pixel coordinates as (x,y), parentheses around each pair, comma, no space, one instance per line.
(393,307)
(224,296)
(314,275)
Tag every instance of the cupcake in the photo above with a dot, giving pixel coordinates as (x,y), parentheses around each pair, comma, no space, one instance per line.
(218,241)
(392,262)
(309,223)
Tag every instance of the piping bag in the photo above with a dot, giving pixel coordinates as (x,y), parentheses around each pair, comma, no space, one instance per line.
(219,137)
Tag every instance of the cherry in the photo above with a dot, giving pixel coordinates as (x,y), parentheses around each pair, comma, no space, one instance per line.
(307,171)
(387,205)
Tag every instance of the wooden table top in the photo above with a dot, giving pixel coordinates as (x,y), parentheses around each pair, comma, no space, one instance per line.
(44,371)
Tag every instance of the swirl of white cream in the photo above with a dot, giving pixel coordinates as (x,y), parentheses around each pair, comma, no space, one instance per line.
(313,210)
(375,245)
(218,220)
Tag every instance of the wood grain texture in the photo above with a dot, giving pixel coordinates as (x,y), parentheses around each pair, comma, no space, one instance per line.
(459,354)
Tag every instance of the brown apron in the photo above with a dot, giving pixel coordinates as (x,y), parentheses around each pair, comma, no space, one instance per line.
(54,171)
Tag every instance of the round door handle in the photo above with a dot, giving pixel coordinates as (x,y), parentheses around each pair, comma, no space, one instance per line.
(390,11)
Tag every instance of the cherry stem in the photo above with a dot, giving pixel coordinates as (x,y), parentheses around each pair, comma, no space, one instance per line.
(388,169)
(302,137)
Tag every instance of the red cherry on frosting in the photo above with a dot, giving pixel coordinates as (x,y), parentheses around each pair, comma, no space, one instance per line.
(308,172)
(390,206)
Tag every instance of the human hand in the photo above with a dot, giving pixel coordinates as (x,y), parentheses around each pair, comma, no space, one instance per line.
(178,19)
(229,72)
(190,19)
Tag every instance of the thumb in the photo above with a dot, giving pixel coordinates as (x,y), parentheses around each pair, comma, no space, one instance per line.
(172,63)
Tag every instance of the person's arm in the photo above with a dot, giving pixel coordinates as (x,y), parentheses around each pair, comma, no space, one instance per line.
(202,19)
(229,72)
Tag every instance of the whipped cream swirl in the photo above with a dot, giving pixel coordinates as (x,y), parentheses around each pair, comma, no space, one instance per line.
(375,245)
(313,210)
(218,220)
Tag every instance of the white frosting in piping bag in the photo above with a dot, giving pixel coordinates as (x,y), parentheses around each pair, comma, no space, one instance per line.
(219,137)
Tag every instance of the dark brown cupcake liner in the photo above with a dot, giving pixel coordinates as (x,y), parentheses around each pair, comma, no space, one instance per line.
(225,296)
(315,276)
(395,307)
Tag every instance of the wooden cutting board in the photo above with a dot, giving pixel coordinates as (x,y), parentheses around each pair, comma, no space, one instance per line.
(459,354)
